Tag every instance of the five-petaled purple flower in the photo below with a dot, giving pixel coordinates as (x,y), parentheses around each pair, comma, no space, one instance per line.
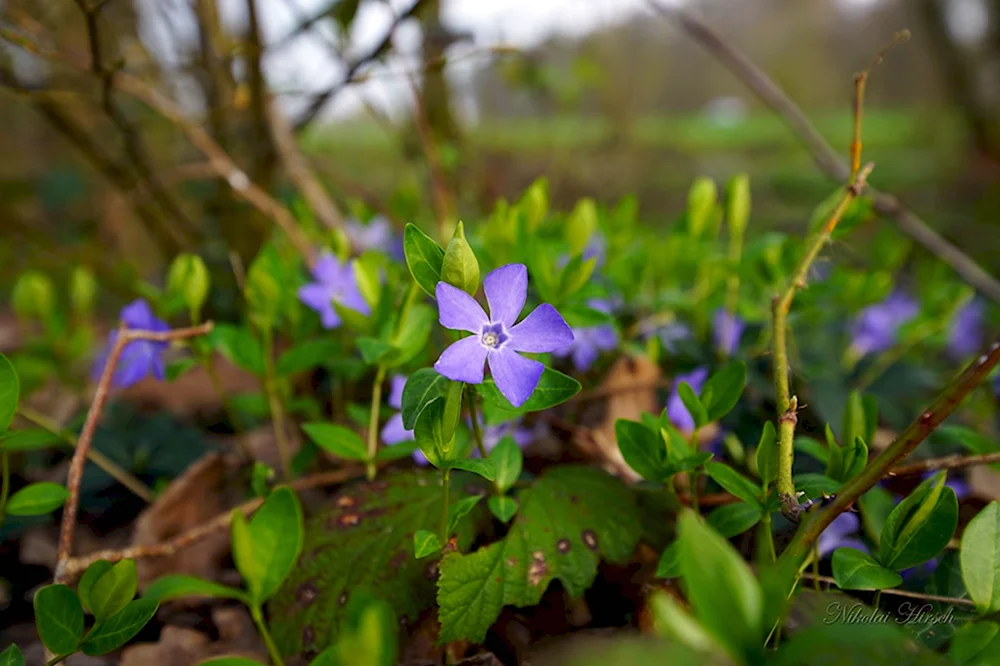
(840,534)
(590,341)
(393,431)
(139,358)
(676,411)
(495,338)
(728,330)
(875,328)
(334,283)
(965,336)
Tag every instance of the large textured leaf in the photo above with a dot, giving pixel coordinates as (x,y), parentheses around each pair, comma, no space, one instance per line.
(570,519)
(365,540)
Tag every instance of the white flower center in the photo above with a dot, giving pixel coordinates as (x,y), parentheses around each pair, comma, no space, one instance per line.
(490,339)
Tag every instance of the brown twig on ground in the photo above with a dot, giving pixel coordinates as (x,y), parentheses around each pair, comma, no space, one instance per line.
(822,153)
(79,459)
(957,461)
(900,593)
(75,566)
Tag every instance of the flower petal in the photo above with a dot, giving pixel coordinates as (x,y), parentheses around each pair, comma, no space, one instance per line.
(584,356)
(396,391)
(516,376)
(139,316)
(463,360)
(457,310)
(506,290)
(315,296)
(327,269)
(542,331)
(393,431)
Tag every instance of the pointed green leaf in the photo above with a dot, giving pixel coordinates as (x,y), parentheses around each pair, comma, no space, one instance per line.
(425,543)
(422,387)
(59,618)
(239,346)
(507,459)
(37,499)
(31,439)
(91,576)
(974,644)
(307,355)
(766,455)
(113,590)
(734,482)
(484,468)
(723,390)
(9,390)
(920,526)
(266,547)
(461,509)
(424,257)
(642,449)
(112,633)
(730,520)
(669,564)
(182,586)
(338,440)
(694,406)
(980,559)
(12,657)
(503,507)
(855,570)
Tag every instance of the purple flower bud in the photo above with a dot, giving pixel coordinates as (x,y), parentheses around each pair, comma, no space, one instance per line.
(965,336)
(728,328)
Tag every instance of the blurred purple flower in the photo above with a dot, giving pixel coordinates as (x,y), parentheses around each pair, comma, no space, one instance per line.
(496,339)
(875,328)
(376,235)
(590,341)
(334,283)
(669,334)
(678,414)
(728,328)
(840,534)
(393,431)
(139,358)
(966,334)
(597,249)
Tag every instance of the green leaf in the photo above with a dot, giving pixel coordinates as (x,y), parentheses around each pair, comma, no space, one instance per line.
(973,441)
(32,439)
(265,548)
(766,455)
(423,387)
(396,451)
(693,404)
(177,369)
(459,267)
(452,409)
(37,499)
(364,540)
(554,388)
(722,589)
(812,448)
(239,346)
(110,634)
(723,390)
(974,644)
(642,449)
(375,351)
(338,440)
(461,509)
(484,468)
(503,507)
(568,520)
(734,482)
(673,621)
(701,204)
(113,590)
(835,464)
(855,459)
(305,356)
(920,526)
(730,520)
(669,564)
(855,570)
(854,424)
(413,333)
(508,459)
(59,618)
(12,657)
(814,485)
(575,275)
(424,257)
(980,559)
(581,224)
(182,586)
(430,437)
(9,390)
(425,543)
(91,576)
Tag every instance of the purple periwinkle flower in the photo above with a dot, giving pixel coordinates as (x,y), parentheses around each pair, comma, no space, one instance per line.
(728,328)
(393,431)
(376,235)
(678,414)
(590,341)
(495,338)
(840,534)
(875,328)
(139,358)
(669,334)
(965,336)
(334,283)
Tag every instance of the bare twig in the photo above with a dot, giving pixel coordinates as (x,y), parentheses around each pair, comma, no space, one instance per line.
(823,154)
(75,566)
(900,593)
(957,461)
(76,465)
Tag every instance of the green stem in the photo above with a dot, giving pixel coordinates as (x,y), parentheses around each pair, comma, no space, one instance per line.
(477,432)
(58,658)
(276,408)
(373,420)
(110,467)
(878,598)
(694,489)
(444,513)
(4,483)
(272,649)
(765,528)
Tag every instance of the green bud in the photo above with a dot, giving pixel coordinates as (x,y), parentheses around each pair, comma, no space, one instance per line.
(460,268)
(188,279)
(701,204)
(33,296)
(82,290)
(535,203)
(738,203)
(581,224)
(366,276)
(263,295)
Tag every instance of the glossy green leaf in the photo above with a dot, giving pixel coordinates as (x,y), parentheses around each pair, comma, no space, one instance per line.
(730,520)
(694,406)
(734,482)
(920,526)
(337,440)
(554,388)
(9,391)
(674,622)
(855,570)
(452,409)
(855,458)
(459,267)
(425,543)
(112,633)
(461,509)
(424,257)
(37,499)
(12,657)
(87,580)
(113,590)
(980,559)
(854,424)
(508,459)
(182,586)
(413,334)
(32,439)
(723,390)
(266,548)
(429,435)
(422,387)
(239,346)
(974,644)
(766,455)
(669,564)
(484,468)
(642,449)
(58,618)
(375,351)
(503,507)
(306,355)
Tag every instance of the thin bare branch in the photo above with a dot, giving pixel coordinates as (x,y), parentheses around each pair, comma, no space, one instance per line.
(956,461)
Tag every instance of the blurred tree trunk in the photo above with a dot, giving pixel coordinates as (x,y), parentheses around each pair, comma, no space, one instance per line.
(436,91)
